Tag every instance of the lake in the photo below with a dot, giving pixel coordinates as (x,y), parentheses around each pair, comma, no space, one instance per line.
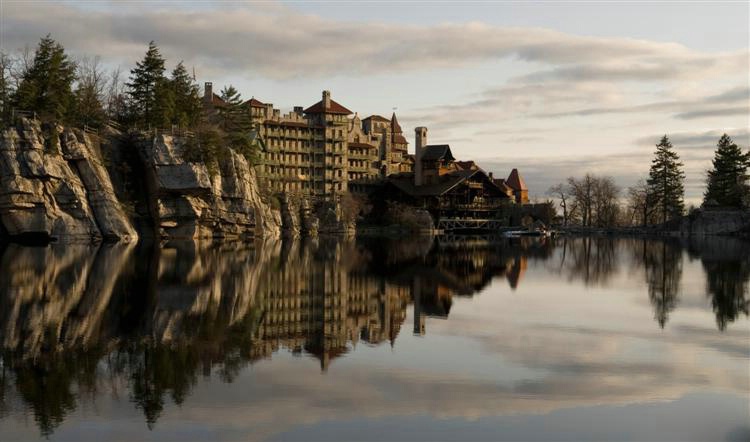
(452,338)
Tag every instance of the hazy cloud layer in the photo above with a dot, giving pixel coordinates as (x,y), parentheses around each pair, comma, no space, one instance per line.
(281,43)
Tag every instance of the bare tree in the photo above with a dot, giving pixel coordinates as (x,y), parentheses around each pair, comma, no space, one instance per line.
(90,91)
(638,203)
(115,96)
(563,194)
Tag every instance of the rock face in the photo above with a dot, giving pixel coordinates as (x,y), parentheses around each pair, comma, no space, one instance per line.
(55,184)
(56,190)
(188,202)
(715,222)
(79,150)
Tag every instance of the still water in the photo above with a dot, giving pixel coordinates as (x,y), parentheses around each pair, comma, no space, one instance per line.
(374,339)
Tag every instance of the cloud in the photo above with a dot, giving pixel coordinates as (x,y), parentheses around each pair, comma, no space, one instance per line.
(710,113)
(277,42)
(699,140)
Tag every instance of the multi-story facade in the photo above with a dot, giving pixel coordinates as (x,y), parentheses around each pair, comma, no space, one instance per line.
(320,150)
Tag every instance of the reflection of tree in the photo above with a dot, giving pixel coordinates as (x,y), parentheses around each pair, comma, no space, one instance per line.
(47,384)
(726,283)
(662,263)
(590,259)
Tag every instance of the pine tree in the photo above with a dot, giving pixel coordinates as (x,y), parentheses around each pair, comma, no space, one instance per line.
(235,122)
(187,102)
(665,181)
(728,180)
(232,117)
(46,87)
(148,100)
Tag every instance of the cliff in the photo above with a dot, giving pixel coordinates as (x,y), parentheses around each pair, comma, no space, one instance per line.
(189,201)
(59,183)
(55,185)
(715,222)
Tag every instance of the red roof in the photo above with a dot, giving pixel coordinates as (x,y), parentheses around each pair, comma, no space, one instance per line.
(254,103)
(395,127)
(399,139)
(515,181)
(217,101)
(334,108)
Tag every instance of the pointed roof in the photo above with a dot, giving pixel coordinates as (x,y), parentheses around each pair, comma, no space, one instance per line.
(395,127)
(252,102)
(515,181)
(333,108)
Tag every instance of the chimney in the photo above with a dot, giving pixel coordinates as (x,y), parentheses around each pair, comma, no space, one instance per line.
(208,91)
(492,178)
(326,99)
(298,110)
(419,145)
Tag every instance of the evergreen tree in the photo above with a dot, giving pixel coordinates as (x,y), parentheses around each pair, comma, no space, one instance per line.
(665,181)
(728,180)
(187,102)
(232,116)
(235,122)
(149,101)
(46,86)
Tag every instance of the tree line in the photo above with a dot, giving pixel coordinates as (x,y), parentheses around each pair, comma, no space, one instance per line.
(596,201)
(81,92)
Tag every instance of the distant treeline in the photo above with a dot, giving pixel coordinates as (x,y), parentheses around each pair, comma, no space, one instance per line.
(53,87)
(596,201)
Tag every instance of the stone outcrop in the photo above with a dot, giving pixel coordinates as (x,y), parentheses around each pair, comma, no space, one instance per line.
(79,151)
(297,217)
(715,222)
(190,202)
(56,190)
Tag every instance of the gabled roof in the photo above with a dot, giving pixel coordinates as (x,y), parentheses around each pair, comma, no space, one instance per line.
(436,152)
(499,182)
(400,139)
(395,127)
(467,165)
(254,103)
(217,101)
(334,108)
(405,182)
(515,181)
(376,118)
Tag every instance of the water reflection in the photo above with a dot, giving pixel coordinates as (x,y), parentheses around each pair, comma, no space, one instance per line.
(149,322)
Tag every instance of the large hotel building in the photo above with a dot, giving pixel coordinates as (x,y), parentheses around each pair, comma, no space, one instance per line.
(320,150)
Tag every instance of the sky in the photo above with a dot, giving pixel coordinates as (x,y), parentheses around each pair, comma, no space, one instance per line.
(552,88)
